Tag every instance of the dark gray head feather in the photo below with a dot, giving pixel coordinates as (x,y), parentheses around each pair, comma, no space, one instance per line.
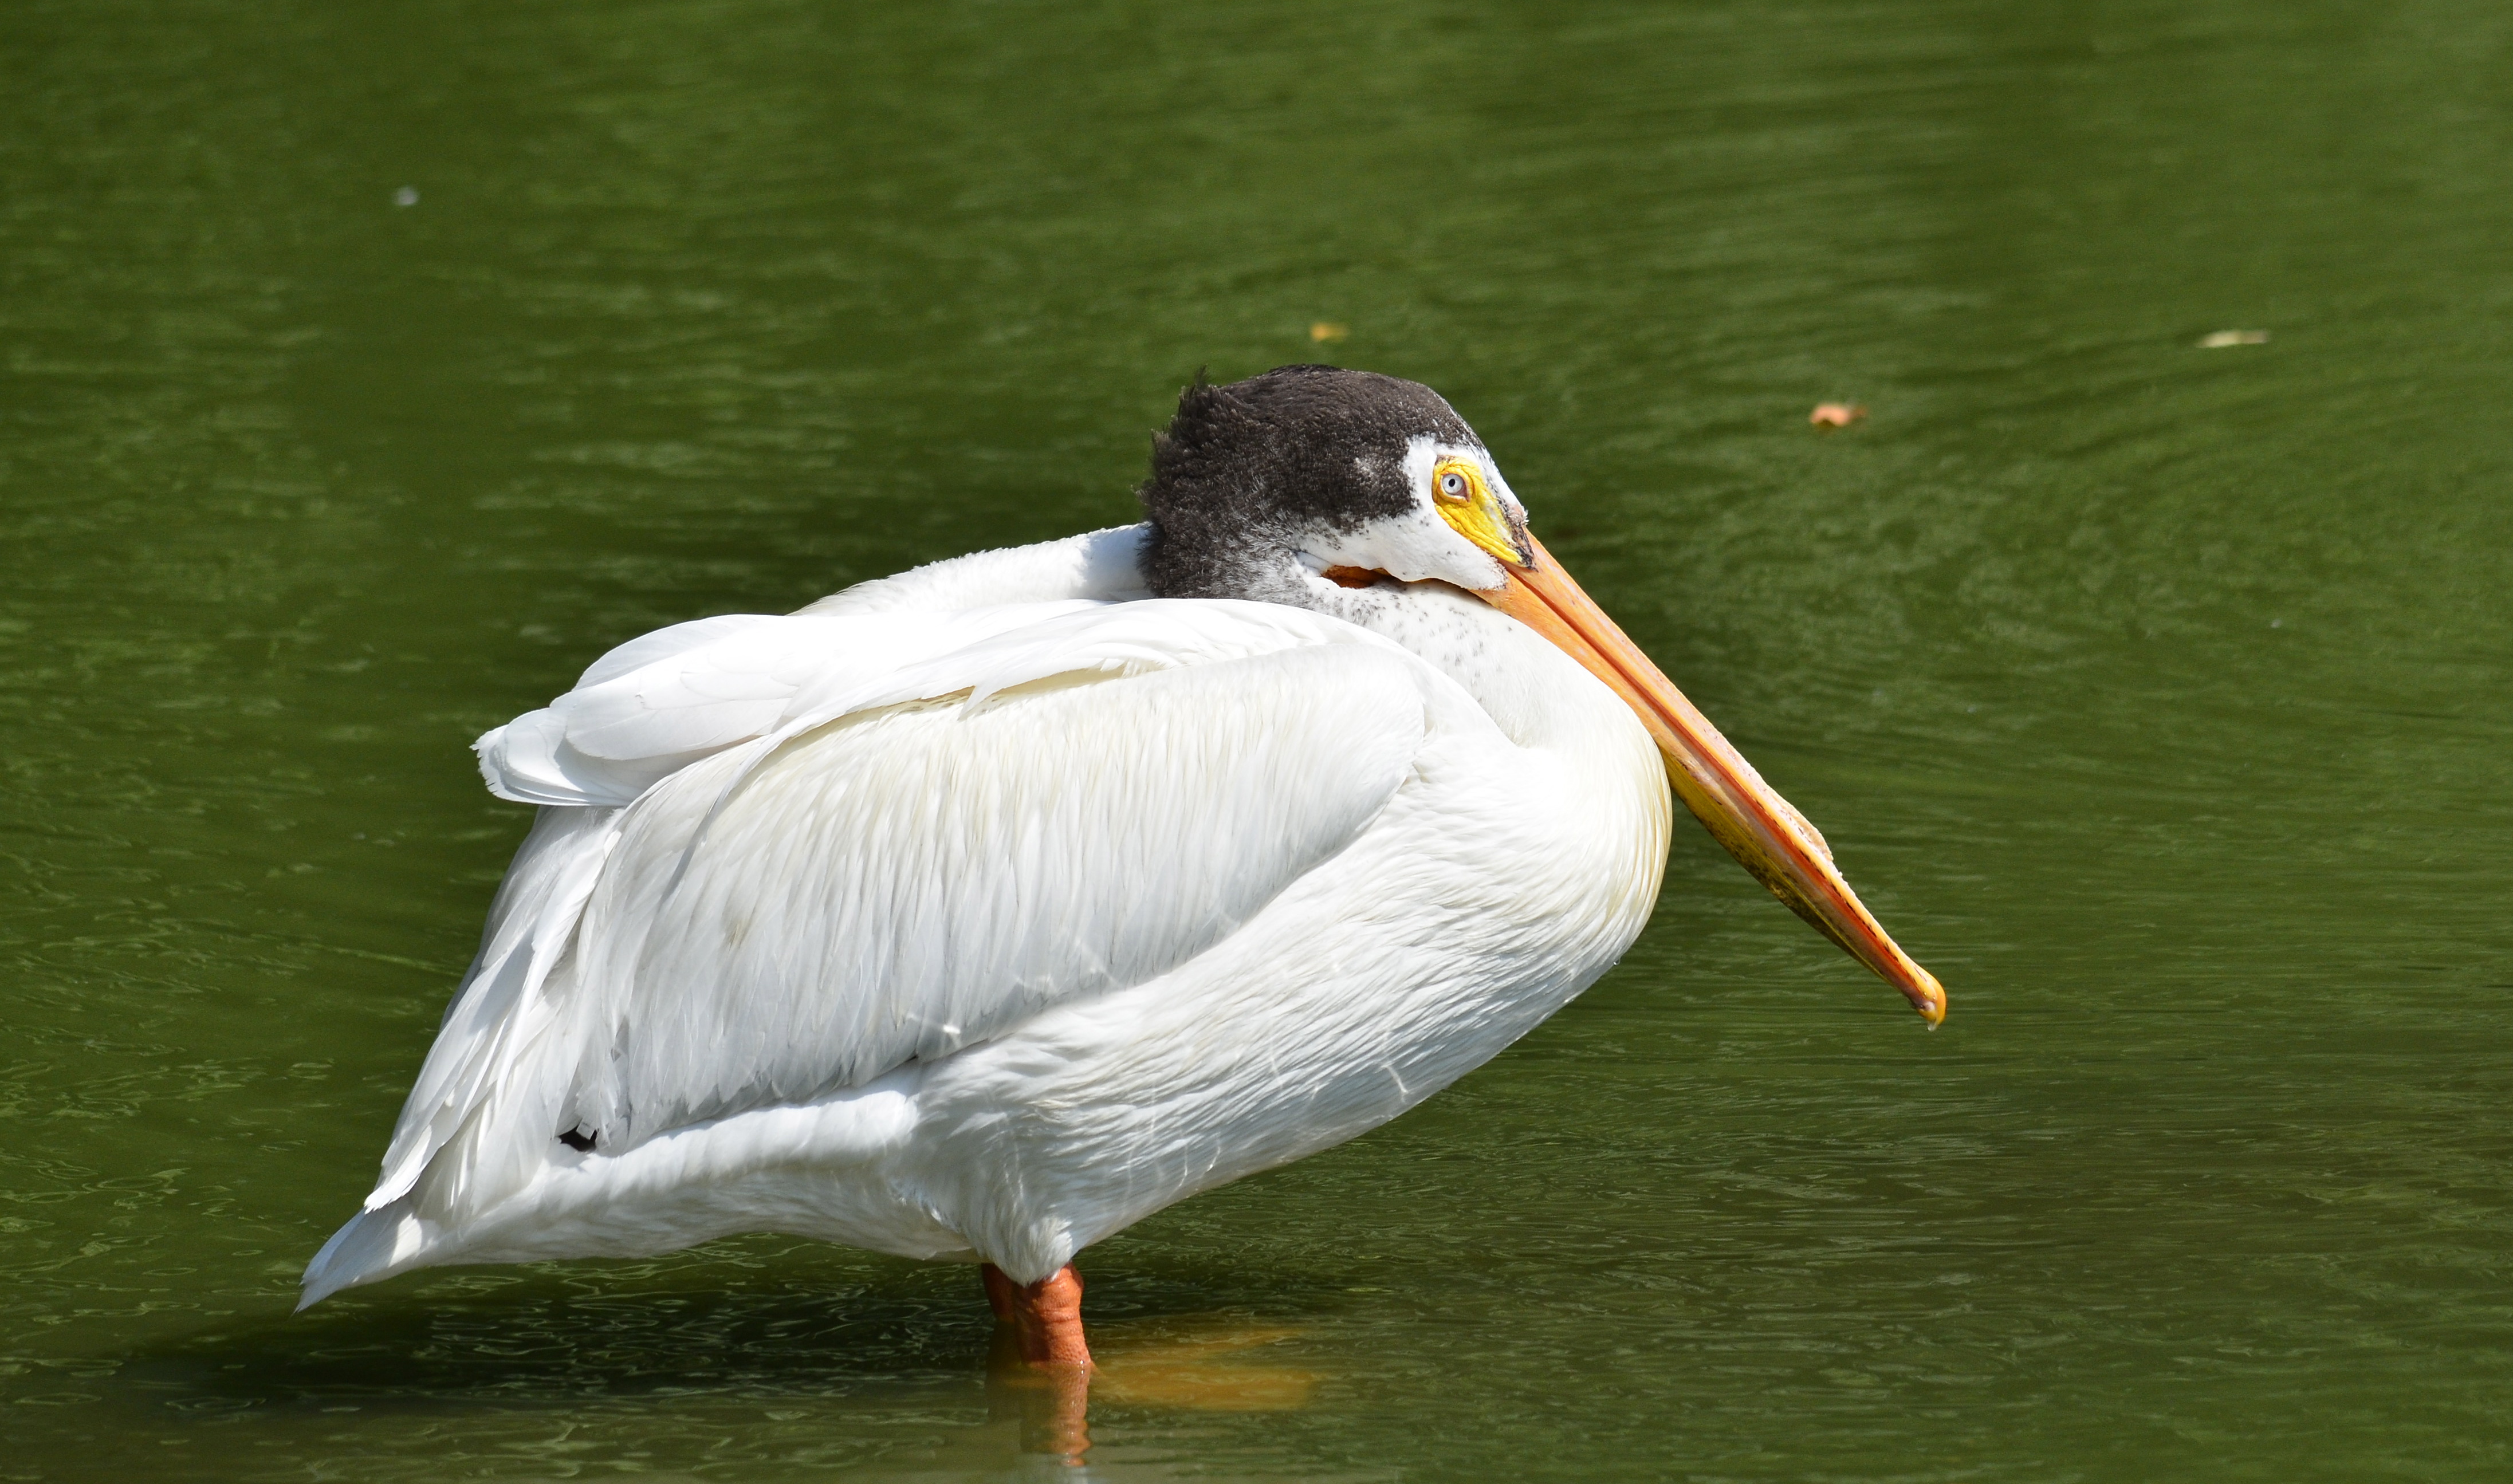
(1244,469)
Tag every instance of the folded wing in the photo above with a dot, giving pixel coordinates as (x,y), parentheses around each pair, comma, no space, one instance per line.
(863,840)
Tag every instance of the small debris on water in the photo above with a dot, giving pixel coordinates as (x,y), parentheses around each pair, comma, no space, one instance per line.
(1327,330)
(2220,338)
(408,195)
(1836,413)
(2277,622)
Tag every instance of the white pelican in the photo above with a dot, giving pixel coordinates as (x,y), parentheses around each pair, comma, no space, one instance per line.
(980,911)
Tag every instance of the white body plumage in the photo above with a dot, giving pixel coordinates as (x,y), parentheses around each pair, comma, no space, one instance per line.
(982,911)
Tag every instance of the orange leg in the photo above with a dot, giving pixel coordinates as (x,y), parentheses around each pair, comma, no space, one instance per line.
(1046,1316)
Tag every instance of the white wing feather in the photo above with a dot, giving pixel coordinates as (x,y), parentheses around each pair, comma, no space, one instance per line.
(649,708)
(856,838)
(912,879)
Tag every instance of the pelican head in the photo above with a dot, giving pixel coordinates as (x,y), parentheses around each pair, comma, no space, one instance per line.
(1262,486)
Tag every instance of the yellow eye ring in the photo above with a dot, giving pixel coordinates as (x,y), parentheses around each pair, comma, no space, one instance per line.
(1472,510)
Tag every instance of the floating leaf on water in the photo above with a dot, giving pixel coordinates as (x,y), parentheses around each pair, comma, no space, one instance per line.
(1327,330)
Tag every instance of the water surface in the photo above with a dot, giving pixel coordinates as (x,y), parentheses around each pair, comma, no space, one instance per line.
(2154,694)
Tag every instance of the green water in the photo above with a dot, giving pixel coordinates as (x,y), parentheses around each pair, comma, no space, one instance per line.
(2155,696)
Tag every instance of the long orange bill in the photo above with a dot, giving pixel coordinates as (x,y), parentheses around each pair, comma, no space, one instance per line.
(1745,814)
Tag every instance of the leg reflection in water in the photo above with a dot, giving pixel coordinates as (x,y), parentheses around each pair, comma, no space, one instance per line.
(1042,1373)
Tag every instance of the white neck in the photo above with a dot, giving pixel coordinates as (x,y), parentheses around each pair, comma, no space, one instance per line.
(1536,694)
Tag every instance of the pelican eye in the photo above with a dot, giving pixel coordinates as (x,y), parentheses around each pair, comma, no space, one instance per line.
(1452,486)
